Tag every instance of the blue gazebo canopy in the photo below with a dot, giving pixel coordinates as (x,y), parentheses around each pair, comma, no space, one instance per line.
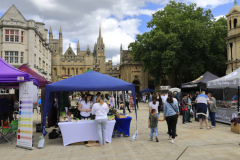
(147,90)
(89,81)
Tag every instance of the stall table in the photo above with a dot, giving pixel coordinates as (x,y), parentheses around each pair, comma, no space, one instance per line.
(73,132)
(123,125)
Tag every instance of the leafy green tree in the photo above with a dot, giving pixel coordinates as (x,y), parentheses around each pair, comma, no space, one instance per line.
(184,41)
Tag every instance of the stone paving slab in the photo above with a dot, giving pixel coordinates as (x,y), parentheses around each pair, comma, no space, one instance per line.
(192,143)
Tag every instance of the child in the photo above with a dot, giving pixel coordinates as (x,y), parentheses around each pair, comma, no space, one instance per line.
(152,123)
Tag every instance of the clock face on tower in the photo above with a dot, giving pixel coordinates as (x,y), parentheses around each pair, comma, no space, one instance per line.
(69,52)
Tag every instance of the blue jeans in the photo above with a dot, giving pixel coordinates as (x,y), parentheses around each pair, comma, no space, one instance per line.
(154,130)
(212,116)
(184,116)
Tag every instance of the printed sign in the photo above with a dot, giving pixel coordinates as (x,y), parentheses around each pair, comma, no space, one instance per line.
(223,83)
(25,120)
(197,79)
(189,86)
(20,78)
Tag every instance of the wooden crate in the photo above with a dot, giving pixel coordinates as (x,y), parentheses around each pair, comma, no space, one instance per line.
(236,128)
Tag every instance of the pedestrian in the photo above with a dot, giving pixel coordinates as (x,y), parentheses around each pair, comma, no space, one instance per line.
(189,105)
(127,97)
(152,123)
(212,109)
(164,97)
(100,109)
(131,103)
(150,97)
(171,113)
(4,103)
(202,111)
(159,99)
(39,105)
(111,101)
(184,108)
(137,100)
(11,108)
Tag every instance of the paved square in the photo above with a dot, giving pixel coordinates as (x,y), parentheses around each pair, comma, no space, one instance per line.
(191,143)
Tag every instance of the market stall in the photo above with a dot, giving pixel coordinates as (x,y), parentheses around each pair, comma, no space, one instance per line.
(226,110)
(81,131)
(90,81)
(11,77)
(42,84)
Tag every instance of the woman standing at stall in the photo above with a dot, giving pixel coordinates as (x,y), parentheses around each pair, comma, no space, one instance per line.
(100,109)
(85,107)
(111,101)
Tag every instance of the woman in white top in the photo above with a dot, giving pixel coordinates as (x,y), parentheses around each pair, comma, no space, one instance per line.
(100,109)
(154,105)
(85,107)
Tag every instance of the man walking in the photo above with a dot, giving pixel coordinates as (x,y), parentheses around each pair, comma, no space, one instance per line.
(127,101)
(202,112)
(212,109)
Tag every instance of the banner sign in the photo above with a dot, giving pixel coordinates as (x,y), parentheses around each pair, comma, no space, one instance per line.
(25,120)
(224,83)
(189,86)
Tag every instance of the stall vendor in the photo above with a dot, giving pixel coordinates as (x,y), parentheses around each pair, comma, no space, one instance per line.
(85,107)
(69,113)
(235,98)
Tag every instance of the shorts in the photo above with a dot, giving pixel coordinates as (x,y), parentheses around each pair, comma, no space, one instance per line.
(202,108)
(3,115)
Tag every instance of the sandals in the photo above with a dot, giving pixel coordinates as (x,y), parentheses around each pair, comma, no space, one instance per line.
(209,128)
(201,128)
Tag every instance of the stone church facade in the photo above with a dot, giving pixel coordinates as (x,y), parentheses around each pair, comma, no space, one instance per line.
(71,64)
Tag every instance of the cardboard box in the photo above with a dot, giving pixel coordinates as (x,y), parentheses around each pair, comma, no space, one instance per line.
(236,128)
(120,116)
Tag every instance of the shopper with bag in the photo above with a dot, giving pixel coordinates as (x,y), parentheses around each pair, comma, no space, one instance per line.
(171,113)
(184,108)
(189,111)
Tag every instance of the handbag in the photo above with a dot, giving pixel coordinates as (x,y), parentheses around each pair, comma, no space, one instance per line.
(174,109)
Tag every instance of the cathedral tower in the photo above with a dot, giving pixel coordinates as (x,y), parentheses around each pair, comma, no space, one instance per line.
(233,38)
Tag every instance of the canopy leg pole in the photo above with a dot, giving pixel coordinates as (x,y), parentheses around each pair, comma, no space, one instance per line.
(238,99)
(124,105)
(207,90)
(116,101)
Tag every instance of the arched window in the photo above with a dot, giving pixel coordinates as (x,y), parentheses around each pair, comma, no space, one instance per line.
(68,71)
(230,25)
(76,71)
(235,23)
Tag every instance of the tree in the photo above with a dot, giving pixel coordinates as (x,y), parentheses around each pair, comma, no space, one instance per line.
(184,41)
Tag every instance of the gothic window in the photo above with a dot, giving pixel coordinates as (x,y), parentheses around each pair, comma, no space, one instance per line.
(235,23)
(77,71)
(68,71)
(69,52)
(230,25)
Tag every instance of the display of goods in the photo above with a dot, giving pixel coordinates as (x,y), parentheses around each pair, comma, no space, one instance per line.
(112,117)
(225,104)
(235,120)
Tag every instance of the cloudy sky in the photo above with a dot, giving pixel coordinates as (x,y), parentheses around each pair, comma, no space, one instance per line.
(121,20)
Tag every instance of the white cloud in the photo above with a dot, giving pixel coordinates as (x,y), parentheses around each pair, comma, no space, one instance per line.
(216,18)
(80,20)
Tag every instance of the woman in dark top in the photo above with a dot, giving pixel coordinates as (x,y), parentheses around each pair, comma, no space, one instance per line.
(159,99)
(11,108)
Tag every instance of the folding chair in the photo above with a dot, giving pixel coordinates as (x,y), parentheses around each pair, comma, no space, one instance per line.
(10,132)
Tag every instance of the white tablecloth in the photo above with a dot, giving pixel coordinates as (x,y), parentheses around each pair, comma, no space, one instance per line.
(73,132)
